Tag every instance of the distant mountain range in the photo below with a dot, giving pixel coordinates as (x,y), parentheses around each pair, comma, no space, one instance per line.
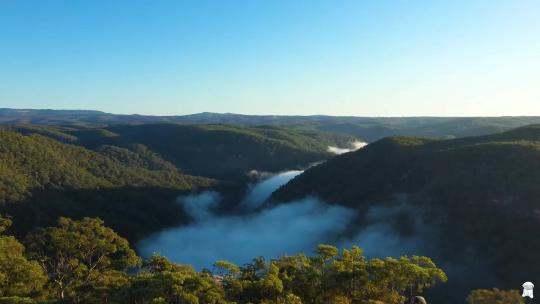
(365,128)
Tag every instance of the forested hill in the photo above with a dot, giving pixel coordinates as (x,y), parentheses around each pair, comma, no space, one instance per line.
(42,179)
(499,162)
(480,194)
(130,176)
(217,151)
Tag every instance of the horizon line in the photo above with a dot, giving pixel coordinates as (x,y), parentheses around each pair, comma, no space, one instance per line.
(262,115)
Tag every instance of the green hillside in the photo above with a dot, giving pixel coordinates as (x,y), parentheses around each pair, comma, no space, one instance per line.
(131,175)
(481,192)
(41,179)
(217,151)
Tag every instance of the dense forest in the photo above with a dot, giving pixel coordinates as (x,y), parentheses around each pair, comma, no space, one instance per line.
(470,200)
(130,176)
(218,151)
(42,179)
(84,261)
(60,185)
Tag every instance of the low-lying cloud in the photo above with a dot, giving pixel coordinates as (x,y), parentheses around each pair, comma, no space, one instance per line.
(261,191)
(393,230)
(353,147)
(272,232)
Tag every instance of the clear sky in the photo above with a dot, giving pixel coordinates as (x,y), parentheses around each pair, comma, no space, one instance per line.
(368,58)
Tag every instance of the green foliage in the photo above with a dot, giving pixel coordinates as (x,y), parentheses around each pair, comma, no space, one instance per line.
(18,276)
(393,280)
(219,151)
(42,163)
(139,157)
(225,268)
(332,277)
(16,300)
(494,296)
(87,262)
(161,281)
(42,179)
(5,223)
(54,132)
(480,192)
(78,253)
(130,176)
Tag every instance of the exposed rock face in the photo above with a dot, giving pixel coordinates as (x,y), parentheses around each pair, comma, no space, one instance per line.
(418,300)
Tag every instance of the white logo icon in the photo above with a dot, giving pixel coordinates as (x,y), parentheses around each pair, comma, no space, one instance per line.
(528,290)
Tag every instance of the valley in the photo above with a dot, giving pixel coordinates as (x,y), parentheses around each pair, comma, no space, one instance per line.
(269,152)
(198,194)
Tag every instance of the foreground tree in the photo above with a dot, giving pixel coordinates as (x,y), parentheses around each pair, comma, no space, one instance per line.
(86,262)
(19,277)
(494,296)
(330,277)
(77,255)
(161,281)
(393,280)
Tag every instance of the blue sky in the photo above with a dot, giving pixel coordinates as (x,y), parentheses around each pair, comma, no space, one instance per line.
(368,58)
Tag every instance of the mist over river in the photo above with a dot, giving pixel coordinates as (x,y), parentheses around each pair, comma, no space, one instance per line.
(270,232)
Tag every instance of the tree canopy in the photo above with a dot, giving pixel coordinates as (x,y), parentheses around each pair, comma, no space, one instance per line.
(78,253)
(19,277)
(84,261)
